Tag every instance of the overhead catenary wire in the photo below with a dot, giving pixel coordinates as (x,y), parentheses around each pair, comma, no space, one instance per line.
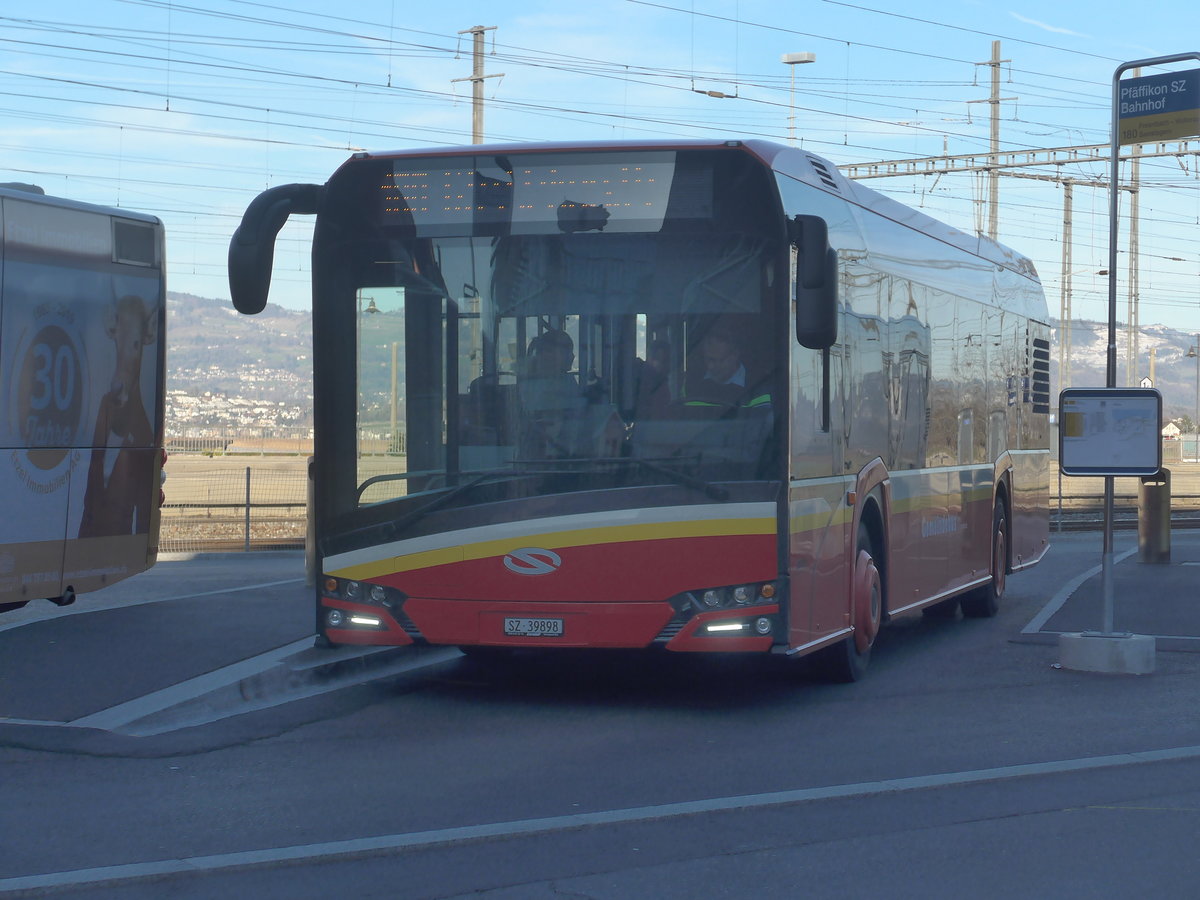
(124,56)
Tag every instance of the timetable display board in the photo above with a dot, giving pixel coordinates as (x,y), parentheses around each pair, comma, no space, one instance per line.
(1110,431)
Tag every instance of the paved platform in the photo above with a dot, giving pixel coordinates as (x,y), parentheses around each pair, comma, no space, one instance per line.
(187,616)
(197,638)
(1161,600)
(202,637)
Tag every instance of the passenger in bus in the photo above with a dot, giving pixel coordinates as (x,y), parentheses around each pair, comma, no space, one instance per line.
(547,382)
(487,411)
(653,383)
(549,393)
(119,488)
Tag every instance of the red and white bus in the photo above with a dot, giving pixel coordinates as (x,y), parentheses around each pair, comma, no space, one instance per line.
(82,314)
(704,396)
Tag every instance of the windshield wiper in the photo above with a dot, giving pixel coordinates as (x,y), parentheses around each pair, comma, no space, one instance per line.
(673,475)
(545,467)
(441,500)
(681,478)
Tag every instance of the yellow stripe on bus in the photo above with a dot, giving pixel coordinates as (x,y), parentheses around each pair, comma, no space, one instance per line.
(818,521)
(557,540)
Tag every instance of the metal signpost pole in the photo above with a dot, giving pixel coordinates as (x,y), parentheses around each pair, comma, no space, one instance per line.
(1111,378)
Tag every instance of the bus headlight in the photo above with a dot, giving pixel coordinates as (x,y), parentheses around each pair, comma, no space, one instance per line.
(726,627)
(763,626)
(335,618)
(734,596)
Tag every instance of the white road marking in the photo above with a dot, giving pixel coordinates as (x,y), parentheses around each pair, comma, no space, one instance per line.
(227,861)
(141,707)
(1064,594)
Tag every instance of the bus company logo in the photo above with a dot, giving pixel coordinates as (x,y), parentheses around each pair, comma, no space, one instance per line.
(939,525)
(532,561)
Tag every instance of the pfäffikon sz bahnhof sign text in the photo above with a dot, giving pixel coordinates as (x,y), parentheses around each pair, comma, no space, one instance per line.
(1159,107)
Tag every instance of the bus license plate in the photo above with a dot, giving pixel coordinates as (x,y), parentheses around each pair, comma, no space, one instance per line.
(529,627)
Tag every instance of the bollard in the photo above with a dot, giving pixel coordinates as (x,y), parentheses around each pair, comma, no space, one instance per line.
(1154,517)
(247,509)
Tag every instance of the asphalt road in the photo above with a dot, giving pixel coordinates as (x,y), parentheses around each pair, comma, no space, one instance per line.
(173,736)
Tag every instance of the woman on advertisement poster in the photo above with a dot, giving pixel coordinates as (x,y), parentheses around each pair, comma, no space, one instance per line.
(118,494)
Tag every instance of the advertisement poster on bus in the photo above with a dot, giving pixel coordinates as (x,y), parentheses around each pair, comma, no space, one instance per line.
(79,350)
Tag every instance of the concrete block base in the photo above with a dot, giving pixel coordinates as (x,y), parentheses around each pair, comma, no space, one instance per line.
(1120,654)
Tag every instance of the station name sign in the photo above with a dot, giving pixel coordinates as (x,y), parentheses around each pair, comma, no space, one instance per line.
(1159,107)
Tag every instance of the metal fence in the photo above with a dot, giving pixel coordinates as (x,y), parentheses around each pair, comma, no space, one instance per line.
(234,503)
(260,441)
(257,499)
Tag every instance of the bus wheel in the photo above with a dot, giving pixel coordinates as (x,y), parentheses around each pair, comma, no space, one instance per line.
(944,609)
(847,661)
(65,599)
(984,602)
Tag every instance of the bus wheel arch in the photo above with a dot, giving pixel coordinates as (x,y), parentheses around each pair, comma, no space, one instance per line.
(847,660)
(984,602)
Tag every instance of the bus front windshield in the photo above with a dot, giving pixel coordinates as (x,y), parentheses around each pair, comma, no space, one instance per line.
(560,322)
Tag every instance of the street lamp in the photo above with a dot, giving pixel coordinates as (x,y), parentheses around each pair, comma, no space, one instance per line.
(791,60)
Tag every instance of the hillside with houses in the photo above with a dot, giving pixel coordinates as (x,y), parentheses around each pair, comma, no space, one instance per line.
(230,371)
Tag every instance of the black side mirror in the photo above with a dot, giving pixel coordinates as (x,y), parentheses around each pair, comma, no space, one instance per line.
(816,282)
(252,247)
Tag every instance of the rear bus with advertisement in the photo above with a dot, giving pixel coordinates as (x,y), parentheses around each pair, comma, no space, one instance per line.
(697,396)
(82,314)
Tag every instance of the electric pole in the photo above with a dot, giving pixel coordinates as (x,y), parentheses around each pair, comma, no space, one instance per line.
(994,146)
(476,79)
(1131,319)
(1064,309)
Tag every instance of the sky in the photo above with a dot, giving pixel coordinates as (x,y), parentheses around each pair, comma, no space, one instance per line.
(187,110)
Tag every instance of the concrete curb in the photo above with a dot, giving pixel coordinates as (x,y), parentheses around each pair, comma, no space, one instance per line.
(306,673)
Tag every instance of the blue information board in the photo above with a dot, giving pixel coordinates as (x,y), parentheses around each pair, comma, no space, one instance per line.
(1159,107)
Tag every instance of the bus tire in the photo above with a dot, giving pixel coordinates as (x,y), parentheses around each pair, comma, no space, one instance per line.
(984,602)
(847,661)
(65,599)
(943,609)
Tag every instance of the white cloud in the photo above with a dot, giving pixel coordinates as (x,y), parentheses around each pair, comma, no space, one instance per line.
(1053,29)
